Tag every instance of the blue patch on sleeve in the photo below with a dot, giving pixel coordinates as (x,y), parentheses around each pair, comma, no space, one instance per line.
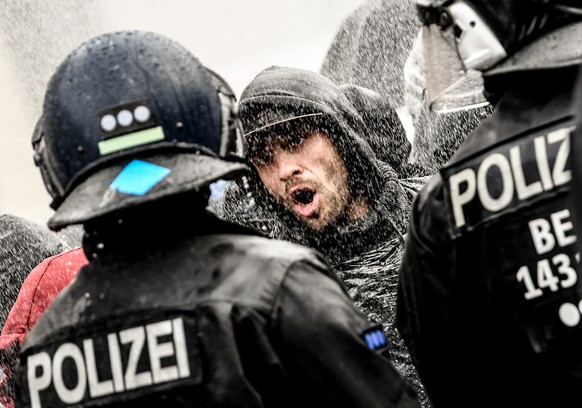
(217,189)
(375,337)
(139,177)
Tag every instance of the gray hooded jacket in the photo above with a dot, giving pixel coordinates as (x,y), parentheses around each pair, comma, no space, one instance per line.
(372,142)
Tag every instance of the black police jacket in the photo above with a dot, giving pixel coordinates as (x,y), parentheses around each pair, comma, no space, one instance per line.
(489,297)
(207,318)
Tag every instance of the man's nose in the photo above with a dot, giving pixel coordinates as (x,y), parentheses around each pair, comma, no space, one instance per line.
(287,168)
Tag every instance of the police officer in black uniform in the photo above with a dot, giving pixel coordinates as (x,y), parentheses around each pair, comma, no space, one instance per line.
(177,308)
(489,298)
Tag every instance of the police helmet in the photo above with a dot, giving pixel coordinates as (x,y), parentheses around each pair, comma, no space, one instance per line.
(463,37)
(130,117)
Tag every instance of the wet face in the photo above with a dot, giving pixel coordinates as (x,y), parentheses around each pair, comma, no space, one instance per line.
(306,174)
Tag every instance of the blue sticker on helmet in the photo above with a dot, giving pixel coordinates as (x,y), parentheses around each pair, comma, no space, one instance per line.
(139,177)
(375,338)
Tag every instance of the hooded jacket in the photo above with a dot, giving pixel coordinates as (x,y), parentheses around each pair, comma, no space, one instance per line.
(369,138)
(372,143)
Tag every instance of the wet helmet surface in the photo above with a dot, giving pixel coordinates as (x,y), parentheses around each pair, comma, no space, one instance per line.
(128,94)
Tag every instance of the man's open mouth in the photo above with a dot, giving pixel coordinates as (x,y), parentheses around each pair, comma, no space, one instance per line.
(303,196)
(305,200)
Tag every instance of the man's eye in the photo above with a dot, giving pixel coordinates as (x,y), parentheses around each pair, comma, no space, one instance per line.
(263,159)
(294,144)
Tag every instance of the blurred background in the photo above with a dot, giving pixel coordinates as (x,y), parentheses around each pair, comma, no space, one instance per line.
(235,38)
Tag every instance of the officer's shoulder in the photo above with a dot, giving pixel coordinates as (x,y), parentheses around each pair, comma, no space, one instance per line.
(267,262)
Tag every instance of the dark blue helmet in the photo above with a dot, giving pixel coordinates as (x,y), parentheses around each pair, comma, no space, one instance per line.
(129,117)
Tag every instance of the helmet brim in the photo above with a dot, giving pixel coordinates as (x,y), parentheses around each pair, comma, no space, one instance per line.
(151,177)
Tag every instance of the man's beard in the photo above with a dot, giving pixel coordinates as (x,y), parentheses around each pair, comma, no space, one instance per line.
(335,210)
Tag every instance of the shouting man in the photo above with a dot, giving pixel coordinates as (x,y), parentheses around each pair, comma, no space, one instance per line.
(330,171)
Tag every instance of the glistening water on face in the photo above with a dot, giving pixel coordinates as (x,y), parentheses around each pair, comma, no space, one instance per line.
(308,177)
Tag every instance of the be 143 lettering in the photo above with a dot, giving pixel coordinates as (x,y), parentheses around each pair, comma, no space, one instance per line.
(546,235)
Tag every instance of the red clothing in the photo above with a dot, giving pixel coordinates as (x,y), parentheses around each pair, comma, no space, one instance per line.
(39,289)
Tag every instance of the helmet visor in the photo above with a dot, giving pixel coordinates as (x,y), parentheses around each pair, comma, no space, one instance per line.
(451,87)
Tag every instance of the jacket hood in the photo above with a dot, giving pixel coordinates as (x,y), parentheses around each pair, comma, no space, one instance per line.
(368,135)
(280,98)
(283,93)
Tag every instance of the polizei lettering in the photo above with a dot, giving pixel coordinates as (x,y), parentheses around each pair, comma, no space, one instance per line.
(100,366)
(508,176)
